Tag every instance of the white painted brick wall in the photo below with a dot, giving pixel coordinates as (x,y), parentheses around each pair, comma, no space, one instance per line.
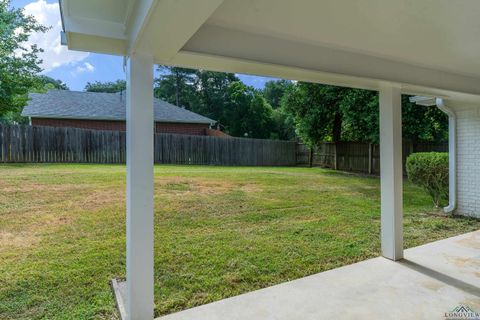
(468,161)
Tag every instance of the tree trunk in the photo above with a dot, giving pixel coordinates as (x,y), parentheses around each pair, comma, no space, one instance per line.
(337,127)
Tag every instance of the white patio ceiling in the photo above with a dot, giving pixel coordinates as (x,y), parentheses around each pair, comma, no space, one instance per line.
(429,47)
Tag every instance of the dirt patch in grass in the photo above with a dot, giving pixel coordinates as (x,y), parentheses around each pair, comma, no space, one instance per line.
(37,187)
(102,198)
(182,186)
(251,188)
(56,220)
(10,240)
(28,233)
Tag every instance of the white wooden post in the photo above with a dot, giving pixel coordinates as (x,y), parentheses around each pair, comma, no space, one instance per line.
(140,187)
(391,174)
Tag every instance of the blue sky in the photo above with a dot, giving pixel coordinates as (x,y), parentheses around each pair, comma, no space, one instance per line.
(77,68)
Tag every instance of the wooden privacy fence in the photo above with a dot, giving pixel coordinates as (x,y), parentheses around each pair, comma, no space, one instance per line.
(356,156)
(48,144)
(184,149)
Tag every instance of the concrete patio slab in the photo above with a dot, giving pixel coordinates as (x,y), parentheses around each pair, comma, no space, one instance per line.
(430,282)
(119,289)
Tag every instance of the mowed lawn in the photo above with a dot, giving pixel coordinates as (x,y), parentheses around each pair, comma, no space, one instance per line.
(219,232)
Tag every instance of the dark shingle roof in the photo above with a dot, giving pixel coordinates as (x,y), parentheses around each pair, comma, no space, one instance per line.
(64,104)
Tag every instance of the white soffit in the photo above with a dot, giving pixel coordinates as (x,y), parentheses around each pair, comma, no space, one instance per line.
(438,34)
(108,10)
(96,26)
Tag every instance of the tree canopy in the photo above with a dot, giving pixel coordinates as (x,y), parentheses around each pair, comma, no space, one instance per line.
(285,110)
(19,62)
(109,86)
(177,86)
(323,112)
(47,83)
(247,113)
(316,110)
(275,90)
(239,109)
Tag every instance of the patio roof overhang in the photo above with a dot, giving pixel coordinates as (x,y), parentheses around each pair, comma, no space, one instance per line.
(428,48)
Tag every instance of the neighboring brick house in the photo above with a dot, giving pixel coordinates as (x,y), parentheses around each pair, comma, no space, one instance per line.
(107,111)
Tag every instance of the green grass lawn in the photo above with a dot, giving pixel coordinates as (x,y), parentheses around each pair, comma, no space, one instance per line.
(219,232)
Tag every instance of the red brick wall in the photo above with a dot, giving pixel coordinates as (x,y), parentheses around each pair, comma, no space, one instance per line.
(77,123)
(182,128)
(160,127)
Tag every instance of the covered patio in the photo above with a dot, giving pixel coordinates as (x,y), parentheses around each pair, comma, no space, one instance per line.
(427,48)
(430,282)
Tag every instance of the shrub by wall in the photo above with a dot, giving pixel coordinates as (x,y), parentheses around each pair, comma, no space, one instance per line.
(430,171)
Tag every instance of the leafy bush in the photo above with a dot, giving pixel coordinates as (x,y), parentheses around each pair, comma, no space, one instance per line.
(430,171)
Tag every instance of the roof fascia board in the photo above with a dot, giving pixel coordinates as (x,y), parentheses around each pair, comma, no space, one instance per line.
(88,43)
(53,116)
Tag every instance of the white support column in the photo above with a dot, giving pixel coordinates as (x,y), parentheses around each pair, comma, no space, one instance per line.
(391,174)
(140,187)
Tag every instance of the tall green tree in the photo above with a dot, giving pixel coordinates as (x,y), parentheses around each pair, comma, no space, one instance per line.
(360,117)
(177,86)
(422,123)
(419,123)
(332,113)
(213,94)
(274,91)
(19,62)
(239,109)
(42,84)
(316,110)
(283,127)
(248,112)
(108,86)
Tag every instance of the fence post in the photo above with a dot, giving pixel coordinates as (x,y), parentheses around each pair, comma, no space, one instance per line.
(310,159)
(335,160)
(370,158)
(296,152)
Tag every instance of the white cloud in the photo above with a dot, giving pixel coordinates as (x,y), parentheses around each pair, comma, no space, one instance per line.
(85,67)
(54,55)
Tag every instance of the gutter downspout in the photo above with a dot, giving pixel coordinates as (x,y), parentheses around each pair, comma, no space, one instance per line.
(452,155)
